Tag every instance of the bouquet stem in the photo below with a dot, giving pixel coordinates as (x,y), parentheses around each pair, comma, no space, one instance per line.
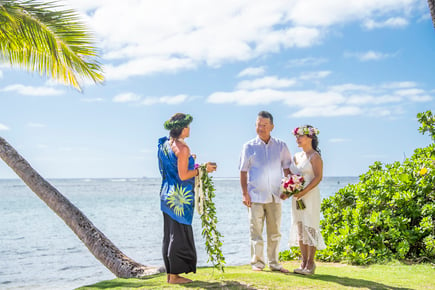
(300,204)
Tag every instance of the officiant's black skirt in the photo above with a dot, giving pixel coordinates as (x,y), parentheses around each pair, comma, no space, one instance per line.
(179,253)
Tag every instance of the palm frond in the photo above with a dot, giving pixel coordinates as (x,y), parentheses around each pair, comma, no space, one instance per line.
(45,38)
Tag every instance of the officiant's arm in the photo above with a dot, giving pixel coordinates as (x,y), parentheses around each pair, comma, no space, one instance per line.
(317,164)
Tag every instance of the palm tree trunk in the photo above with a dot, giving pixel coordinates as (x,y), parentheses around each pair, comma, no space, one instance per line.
(431,4)
(98,244)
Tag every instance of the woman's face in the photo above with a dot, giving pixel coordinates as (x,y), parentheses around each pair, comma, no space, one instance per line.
(303,140)
(186,132)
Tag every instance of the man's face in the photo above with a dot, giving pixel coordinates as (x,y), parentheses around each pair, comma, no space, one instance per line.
(263,128)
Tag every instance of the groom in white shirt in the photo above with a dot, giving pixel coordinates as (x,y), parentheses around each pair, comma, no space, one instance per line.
(263,161)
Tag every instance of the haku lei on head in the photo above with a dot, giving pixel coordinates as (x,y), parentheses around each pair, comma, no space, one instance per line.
(178,124)
(204,194)
(305,130)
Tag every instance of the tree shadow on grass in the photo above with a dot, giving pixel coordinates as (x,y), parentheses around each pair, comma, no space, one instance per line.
(148,283)
(218,285)
(352,282)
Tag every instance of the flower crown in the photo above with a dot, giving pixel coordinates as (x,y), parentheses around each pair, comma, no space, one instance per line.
(305,130)
(178,124)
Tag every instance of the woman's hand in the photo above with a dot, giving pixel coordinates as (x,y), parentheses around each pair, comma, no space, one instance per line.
(298,195)
(211,166)
(283,196)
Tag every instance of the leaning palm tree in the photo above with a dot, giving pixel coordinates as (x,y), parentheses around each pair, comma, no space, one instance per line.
(45,38)
(431,4)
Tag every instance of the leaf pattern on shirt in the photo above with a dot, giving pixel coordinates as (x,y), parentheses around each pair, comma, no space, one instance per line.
(178,197)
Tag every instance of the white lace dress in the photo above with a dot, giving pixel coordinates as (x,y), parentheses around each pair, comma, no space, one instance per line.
(306,223)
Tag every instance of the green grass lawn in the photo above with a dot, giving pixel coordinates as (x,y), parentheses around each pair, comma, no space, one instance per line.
(328,276)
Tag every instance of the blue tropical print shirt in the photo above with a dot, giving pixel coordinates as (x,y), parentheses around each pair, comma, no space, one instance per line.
(177,197)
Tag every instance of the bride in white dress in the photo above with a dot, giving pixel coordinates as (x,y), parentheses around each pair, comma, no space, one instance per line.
(305,229)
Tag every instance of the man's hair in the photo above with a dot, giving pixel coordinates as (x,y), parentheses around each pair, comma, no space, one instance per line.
(266,115)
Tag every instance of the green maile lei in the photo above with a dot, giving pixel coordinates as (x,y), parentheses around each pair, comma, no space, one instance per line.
(209,220)
(178,124)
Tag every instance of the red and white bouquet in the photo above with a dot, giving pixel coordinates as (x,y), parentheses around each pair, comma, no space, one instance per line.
(291,185)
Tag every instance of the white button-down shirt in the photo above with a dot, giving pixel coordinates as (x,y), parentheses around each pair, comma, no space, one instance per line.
(264,164)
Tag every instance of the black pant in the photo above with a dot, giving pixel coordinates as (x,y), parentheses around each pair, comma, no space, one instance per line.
(179,253)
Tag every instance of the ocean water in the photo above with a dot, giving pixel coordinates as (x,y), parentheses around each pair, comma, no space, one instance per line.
(39,251)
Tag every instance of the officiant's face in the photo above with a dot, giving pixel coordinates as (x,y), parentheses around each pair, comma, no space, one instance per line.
(264,126)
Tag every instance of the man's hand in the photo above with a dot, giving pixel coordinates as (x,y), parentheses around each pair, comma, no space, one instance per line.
(247,200)
(283,196)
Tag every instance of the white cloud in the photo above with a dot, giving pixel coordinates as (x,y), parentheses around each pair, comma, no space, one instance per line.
(311,98)
(399,85)
(414,94)
(340,100)
(351,87)
(3,127)
(394,22)
(32,91)
(368,55)
(168,100)
(245,97)
(144,66)
(268,96)
(267,82)
(251,71)
(409,92)
(315,75)
(373,99)
(1,74)
(327,13)
(420,98)
(126,98)
(144,37)
(328,111)
(308,61)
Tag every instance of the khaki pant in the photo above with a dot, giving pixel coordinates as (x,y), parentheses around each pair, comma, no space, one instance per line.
(271,212)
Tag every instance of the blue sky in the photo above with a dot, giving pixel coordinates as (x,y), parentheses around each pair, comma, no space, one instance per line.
(360,71)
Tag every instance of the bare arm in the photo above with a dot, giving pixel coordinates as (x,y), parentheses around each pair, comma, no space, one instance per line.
(317,163)
(183,154)
(287,172)
(183,163)
(244,185)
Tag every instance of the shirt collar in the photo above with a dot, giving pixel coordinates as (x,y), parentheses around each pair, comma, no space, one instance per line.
(271,140)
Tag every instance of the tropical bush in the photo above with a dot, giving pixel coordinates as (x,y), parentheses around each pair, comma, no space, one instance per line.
(389,214)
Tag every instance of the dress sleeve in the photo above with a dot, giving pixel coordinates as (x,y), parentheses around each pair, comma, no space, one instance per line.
(286,158)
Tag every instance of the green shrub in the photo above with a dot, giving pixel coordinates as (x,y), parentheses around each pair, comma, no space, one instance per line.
(389,214)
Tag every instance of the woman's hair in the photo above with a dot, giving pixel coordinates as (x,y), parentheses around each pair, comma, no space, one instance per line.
(314,140)
(310,132)
(177,123)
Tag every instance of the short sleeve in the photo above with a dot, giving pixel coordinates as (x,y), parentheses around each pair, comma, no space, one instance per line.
(244,159)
